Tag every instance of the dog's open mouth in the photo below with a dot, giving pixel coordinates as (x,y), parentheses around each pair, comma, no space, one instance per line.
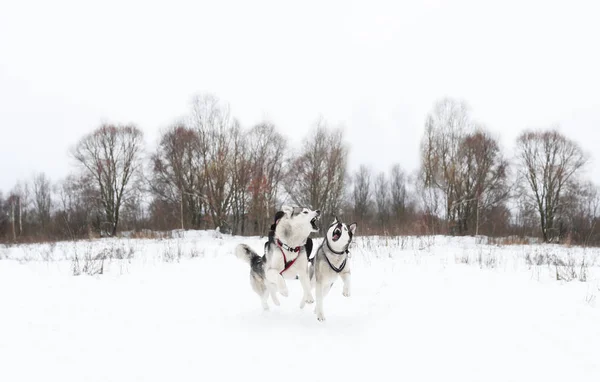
(315,223)
(337,233)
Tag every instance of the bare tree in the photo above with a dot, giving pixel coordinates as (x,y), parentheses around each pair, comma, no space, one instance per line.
(549,163)
(12,202)
(42,199)
(317,176)
(19,201)
(382,200)
(267,150)
(133,214)
(464,164)
(215,127)
(362,193)
(242,176)
(481,182)
(4,217)
(111,156)
(78,206)
(445,129)
(177,173)
(578,217)
(398,193)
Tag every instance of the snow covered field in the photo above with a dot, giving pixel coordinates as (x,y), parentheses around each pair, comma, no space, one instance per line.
(181,309)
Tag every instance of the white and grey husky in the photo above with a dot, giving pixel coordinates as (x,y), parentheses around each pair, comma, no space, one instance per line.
(331,261)
(285,256)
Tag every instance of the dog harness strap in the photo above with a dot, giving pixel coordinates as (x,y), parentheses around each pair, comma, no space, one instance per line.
(335,269)
(285,262)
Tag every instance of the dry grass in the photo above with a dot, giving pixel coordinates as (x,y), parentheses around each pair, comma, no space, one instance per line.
(511,240)
(149,234)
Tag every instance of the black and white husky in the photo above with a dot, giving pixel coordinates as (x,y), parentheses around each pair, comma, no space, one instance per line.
(285,256)
(331,261)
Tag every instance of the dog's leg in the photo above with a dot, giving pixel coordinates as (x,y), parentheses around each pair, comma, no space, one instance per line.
(273,291)
(325,291)
(319,304)
(264,300)
(346,278)
(327,288)
(273,276)
(308,298)
(258,285)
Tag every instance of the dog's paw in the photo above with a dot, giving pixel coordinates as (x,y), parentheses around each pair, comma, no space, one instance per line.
(320,317)
(309,299)
(284,292)
(346,293)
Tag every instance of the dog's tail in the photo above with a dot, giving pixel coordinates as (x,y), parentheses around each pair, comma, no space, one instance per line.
(245,253)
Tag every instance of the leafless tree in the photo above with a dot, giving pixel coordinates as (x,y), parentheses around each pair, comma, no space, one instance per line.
(13,212)
(4,217)
(42,199)
(481,182)
(464,164)
(445,129)
(579,215)
(111,156)
(398,193)
(177,173)
(215,127)
(242,176)
(382,200)
(19,200)
(134,214)
(78,208)
(549,164)
(267,150)
(317,176)
(362,193)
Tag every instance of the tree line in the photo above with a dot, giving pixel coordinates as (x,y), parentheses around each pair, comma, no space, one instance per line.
(208,172)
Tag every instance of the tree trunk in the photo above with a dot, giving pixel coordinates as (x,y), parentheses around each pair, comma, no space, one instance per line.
(543,224)
(116,222)
(20,218)
(12,218)
(477,218)
(181,210)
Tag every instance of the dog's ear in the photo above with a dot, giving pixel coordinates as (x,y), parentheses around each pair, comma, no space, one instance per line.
(335,220)
(352,228)
(278,215)
(287,210)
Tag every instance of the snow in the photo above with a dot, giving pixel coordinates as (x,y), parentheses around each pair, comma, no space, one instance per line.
(181,309)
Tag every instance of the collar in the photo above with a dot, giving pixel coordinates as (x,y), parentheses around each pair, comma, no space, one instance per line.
(343,252)
(281,244)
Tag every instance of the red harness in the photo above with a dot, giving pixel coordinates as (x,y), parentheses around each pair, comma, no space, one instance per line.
(285,262)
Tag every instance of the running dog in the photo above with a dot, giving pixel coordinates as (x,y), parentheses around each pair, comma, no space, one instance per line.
(331,261)
(285,256)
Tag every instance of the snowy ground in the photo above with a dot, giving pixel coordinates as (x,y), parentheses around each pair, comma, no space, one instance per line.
(422,309)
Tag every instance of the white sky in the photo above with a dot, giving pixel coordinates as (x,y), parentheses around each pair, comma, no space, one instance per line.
(374,67)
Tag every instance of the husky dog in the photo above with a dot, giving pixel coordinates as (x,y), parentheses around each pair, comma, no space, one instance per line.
(331,261)
(285,256)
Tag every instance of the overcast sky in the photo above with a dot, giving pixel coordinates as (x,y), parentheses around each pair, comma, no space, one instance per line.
(374,67)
